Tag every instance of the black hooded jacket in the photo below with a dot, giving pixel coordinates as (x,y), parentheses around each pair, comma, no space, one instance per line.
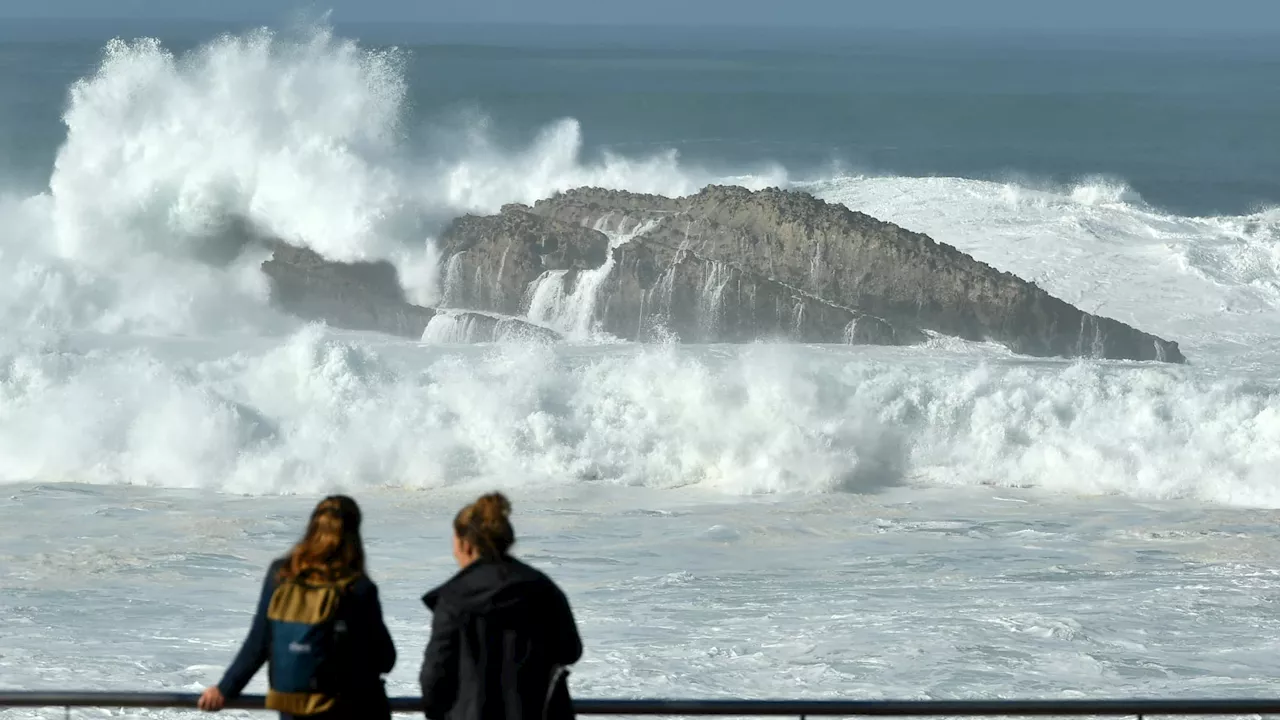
(502,634)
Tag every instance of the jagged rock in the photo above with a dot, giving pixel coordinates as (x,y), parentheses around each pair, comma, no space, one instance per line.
(854,261)
(656,289)
(521,262)
(368,296)
(724,265)
(353,296)
(493,259)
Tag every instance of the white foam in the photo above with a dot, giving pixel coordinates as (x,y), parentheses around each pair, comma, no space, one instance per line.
(481,176)
(1212,284)
(449,327)
(161,152)
(170,161)
(740,521)
(319,412)
(446,328)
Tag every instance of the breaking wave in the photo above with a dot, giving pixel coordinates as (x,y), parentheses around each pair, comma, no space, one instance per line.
(320,412)
(172,163)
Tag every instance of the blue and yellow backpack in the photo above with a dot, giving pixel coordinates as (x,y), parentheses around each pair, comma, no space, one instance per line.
(307,638)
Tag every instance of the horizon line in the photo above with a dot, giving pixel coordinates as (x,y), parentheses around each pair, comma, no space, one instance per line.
(696,26)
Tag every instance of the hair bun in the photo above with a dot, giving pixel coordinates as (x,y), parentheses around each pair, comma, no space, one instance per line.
(494,507)
(486,525)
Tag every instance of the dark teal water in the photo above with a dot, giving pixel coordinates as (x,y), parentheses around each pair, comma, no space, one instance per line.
(1191,124)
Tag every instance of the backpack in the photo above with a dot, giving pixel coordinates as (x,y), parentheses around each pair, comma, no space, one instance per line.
(306,646)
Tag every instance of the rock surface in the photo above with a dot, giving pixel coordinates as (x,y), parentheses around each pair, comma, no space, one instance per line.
(655,289)
(368,296)
(724,265)
(493,259)
(354,296)
(567,274)
(854,261)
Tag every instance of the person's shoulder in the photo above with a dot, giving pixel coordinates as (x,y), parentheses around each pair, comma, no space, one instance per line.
(455,589)
(444,597)
(467,587)
(532,576)
(271,580)
(364,585)
(274,568)
(528,570)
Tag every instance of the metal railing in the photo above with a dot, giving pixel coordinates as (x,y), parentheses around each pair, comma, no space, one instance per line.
(741,708)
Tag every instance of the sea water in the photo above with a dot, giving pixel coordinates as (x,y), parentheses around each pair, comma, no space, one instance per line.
(766,520)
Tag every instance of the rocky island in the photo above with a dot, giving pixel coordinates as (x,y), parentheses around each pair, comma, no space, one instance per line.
(724,265)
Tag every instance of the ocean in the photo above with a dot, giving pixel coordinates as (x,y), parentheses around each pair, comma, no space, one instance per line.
(765,520)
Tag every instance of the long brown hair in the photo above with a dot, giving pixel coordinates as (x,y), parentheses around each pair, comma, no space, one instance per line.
(486,525)
(331,549)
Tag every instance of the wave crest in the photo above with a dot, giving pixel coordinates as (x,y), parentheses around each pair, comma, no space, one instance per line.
(172,164)
(320,412)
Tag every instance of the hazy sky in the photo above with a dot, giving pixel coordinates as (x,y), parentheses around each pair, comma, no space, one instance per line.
(1190,15)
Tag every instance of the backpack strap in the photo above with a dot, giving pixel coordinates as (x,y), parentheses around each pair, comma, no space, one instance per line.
(297,600)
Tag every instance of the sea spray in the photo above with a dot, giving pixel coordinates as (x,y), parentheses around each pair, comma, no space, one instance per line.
(319,412)
(172,165)
(164,166)
(1211,283)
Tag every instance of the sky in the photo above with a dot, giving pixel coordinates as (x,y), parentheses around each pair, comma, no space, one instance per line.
(1075,15)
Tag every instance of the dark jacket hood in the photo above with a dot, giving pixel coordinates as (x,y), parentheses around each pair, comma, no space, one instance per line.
(491,586)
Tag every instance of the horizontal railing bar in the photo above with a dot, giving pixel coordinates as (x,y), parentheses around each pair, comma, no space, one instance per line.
(757,708)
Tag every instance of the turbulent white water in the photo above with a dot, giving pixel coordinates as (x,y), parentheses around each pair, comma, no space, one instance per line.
(763,520)
(320,412)
(570,305)
(302,139)
(1212,284)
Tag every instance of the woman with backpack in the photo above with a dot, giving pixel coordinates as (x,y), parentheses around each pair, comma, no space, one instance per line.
(319,624)
(502,633)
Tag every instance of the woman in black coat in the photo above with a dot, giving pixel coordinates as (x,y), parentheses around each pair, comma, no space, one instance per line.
(502,633)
